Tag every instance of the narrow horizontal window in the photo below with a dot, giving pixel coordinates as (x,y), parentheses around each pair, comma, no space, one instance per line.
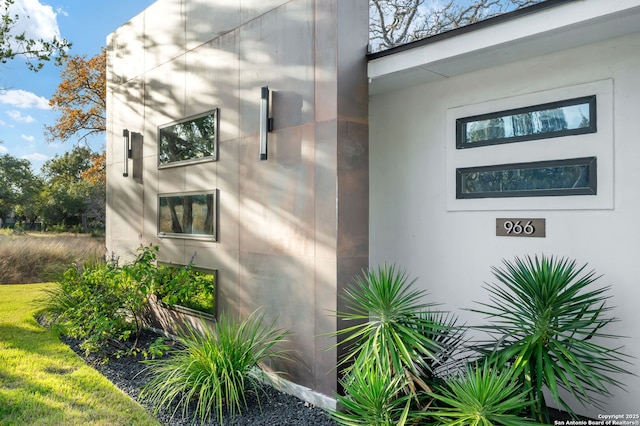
(576,176)
(189,140)
(563,118)
(188,215)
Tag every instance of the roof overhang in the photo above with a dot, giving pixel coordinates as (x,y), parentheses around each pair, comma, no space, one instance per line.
(551,29)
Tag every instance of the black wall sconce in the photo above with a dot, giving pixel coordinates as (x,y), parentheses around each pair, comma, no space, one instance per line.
(266,122)
(127,151)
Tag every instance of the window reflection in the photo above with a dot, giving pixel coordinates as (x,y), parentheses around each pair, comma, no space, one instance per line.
(545,178)
(191,139)
(563,118)
(186,214)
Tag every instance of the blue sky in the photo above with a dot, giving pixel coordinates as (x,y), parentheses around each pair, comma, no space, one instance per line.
(24,95)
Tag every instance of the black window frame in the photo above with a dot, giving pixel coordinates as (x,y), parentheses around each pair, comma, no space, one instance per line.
(590,162)
(461,123)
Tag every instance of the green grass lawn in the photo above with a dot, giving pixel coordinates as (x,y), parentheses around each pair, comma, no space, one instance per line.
(43,382)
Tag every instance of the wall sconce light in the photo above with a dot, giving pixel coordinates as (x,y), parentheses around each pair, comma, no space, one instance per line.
(266,123)
(127,151)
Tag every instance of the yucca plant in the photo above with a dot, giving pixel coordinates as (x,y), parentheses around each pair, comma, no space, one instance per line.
(213,367)
(548,321)
(483,395)
(386,310)
(442,328)
(393,333)
(371,398)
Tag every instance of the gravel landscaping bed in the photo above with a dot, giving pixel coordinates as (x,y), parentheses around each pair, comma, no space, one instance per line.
(273,408)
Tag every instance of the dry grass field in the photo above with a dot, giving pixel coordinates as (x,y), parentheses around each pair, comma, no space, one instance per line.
(38,257)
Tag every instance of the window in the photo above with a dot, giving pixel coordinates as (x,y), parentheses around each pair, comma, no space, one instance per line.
(190,140)
(551,120)
(567,165)
(576,176)
(188,215)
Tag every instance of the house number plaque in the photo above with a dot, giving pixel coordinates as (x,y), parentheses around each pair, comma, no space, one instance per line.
(520,227)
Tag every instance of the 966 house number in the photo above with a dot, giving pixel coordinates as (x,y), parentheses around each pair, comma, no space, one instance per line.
(520,227)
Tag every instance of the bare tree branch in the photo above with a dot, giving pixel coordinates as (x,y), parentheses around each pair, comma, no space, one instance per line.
(396,22)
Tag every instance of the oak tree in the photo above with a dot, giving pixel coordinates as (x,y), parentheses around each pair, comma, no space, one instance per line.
(80,99)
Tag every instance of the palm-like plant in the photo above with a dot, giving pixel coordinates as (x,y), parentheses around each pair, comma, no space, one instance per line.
(371,398)
(549,323)
(483,395)
(442,328)
(392,349)
(213,367)
(388,326)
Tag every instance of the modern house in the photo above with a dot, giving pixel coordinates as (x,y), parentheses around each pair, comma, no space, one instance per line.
(390,157)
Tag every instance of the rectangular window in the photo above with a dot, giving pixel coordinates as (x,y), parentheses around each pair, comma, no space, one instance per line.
(563,118)
(188,215)
(576,176)
(189,140)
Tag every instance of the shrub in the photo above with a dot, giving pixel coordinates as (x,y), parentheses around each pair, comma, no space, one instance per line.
(99,304)
(450,355)
(185,286)
(173,284)
(547,328)
(103,303)
(213,367)
(484,394)
(547,321)
(396,335)
(372,398)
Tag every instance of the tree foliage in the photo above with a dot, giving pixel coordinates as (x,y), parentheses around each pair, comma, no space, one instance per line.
(72,189)
(97,172)
(81,99)
(78,177)
(75,188)
(69,192)
(19,187)
(36,52)
(396,22)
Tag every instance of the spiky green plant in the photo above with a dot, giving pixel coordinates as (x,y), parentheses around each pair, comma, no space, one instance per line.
(394,334)
(213,367)
(442,328)
(371,398)
(386,311)
(550,323)
(484,395)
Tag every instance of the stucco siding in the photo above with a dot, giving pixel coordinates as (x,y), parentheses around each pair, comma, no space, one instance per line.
(451,244)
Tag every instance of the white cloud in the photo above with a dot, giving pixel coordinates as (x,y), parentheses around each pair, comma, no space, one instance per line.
(17,116)
(36,20)
(3,150)
(27,138)
(23,99)
(36,156)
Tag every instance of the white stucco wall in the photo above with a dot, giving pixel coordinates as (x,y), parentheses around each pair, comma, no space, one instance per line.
(450,245)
